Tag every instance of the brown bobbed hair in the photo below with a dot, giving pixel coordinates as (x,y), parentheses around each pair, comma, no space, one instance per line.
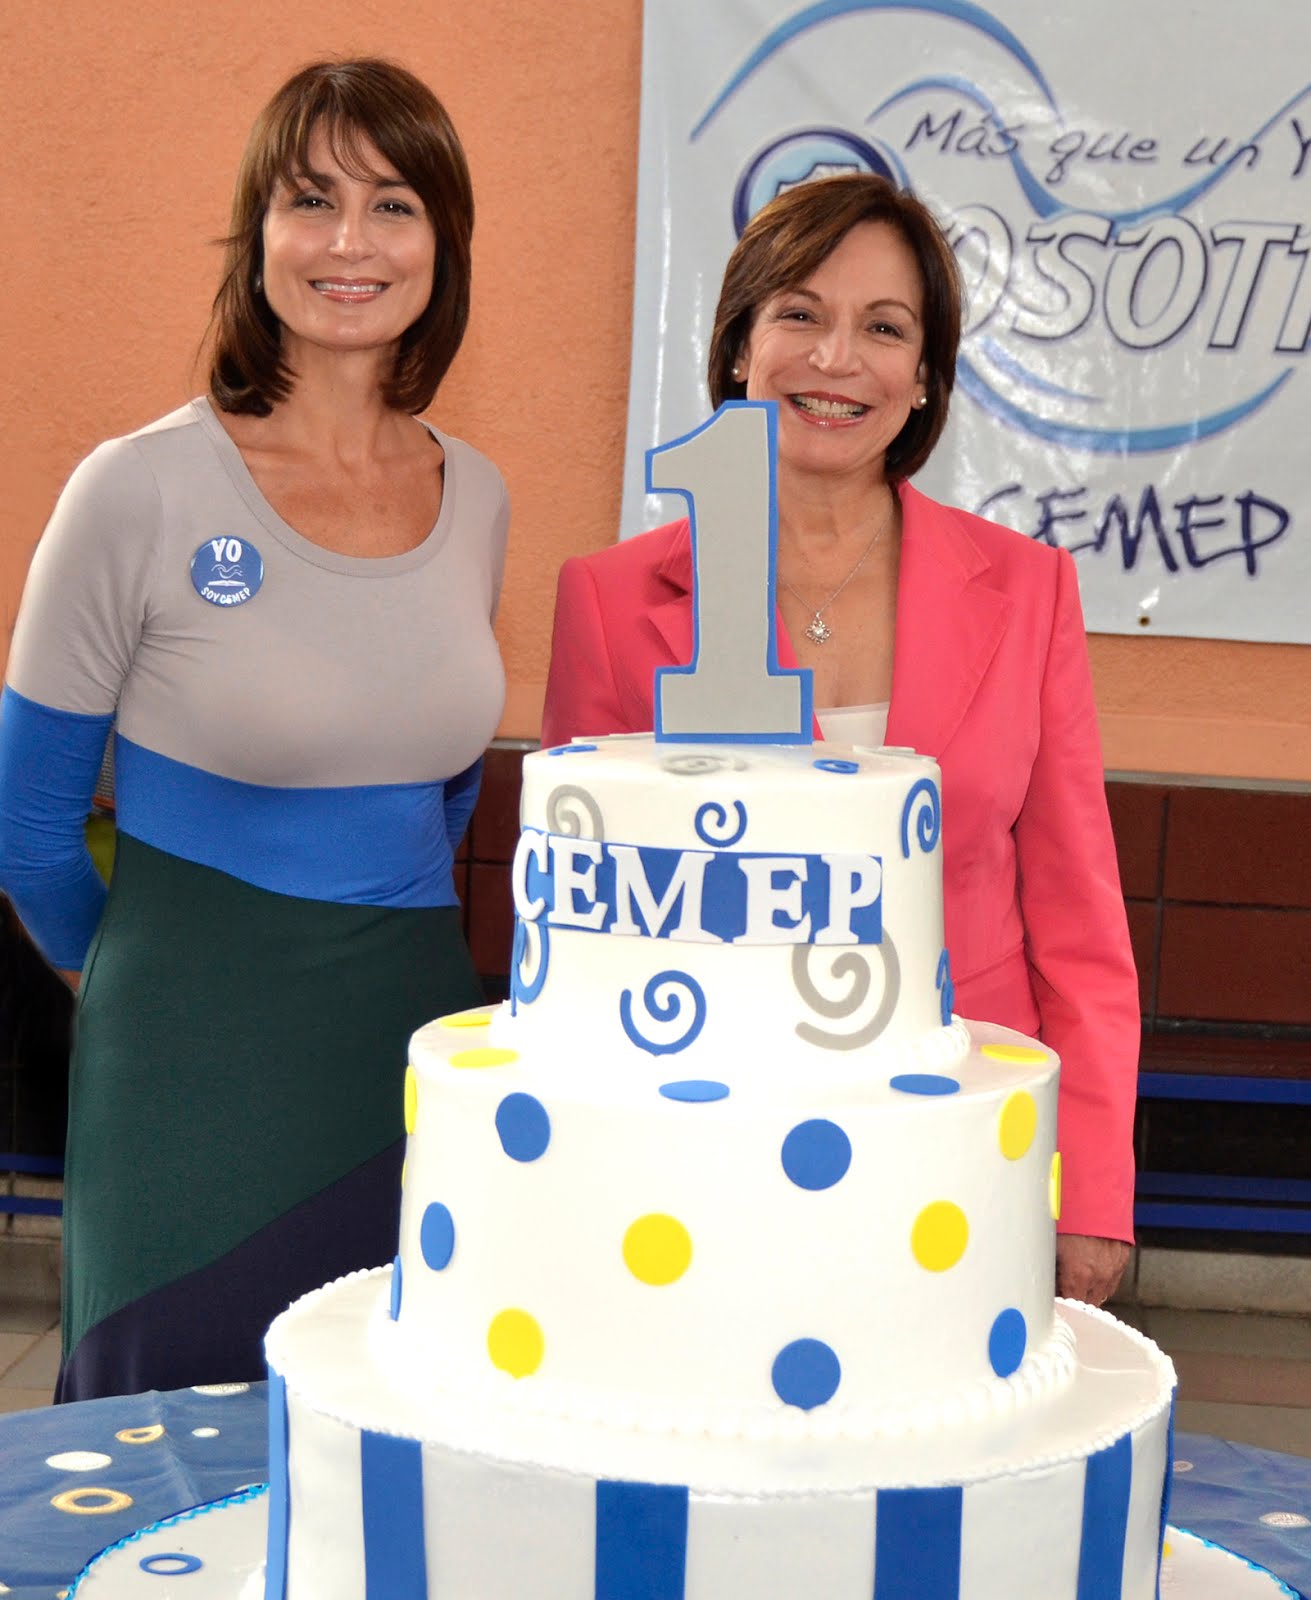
(352,101)
(789,238)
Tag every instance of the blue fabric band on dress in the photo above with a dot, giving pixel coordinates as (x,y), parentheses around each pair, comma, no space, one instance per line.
(917,1543)
(1106,1485)
(391,1477)
(49,762)
(275,1578)
(375,844)
(641,1541)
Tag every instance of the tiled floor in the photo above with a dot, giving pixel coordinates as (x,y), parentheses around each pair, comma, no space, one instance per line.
(1243,1376)
(29,1323)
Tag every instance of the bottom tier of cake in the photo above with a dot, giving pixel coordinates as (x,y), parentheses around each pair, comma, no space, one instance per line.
(377,1492)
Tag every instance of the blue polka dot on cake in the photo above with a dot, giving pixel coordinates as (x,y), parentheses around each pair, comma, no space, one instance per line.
(927,1083)
(695,1090)
(1007,1342)
(524,1127)
(437,1236)
(816,1154)
(806,1374)
(396,1289)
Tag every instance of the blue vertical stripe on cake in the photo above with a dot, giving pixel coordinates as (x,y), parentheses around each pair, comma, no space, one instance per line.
(391,1478)
(1166,1488)
(275,1577)
(1107,1479)
(641,1541)
(917,1541)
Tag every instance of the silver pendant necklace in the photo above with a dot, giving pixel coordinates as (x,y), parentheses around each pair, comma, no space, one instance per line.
(818,631)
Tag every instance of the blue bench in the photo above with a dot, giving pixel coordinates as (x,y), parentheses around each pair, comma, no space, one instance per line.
(32,1167)
(1246,1071)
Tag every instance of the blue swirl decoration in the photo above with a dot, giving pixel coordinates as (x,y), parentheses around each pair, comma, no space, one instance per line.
(928,820)
(679,988)
(713,826)
(524,992)
(845,768)
(946,988)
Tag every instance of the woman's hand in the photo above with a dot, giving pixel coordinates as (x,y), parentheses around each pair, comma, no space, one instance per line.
(1089,1269)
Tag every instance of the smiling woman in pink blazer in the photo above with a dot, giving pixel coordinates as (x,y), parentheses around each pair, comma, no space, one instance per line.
(924,626)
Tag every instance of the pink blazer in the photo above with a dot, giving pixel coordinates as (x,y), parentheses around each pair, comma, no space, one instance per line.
(991,678)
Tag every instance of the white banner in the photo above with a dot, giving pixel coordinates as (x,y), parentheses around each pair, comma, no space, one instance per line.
(1129,190)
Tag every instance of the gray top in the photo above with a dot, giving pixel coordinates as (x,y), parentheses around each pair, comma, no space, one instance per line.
(340,670)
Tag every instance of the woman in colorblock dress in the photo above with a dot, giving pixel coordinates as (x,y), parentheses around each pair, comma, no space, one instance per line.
(280,599)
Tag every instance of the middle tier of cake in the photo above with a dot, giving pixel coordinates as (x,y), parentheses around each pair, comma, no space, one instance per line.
(728,1255)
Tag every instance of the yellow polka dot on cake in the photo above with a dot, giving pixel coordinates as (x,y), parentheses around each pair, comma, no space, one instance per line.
(467,1019)
(1017,1124)
(1016,1055)
(515,1343)
(411,1098)
(484,1056)
(939,1236)
(657,1249)
(1054,1187)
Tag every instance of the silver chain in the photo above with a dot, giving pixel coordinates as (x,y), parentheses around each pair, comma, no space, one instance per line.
(819,631)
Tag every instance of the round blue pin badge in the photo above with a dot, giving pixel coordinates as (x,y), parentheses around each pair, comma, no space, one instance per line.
(227,571)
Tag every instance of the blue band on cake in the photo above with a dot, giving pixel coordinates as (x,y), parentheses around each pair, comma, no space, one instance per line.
(275,1579)
(917,1542)
(696,896)
(1106,1485)
(641,1541)
(1166,1487)
(391,1481)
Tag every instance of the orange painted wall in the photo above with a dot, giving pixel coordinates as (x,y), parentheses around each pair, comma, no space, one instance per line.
(123,127)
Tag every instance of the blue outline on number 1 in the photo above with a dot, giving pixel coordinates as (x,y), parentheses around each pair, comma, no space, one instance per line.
(805,733)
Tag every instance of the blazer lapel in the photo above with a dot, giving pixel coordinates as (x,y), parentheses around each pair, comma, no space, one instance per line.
(949,625)
(672,616)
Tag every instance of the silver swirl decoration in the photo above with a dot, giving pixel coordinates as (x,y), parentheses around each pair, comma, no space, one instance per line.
(573,812)
(853,966)
(697,766)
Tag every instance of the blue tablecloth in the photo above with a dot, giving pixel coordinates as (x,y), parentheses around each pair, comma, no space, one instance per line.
(74,1479)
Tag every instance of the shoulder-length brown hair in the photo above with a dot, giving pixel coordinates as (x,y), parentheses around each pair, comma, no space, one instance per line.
(789,238)
(352,101)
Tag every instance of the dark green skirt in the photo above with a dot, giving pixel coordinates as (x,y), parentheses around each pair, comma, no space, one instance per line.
(235,1121)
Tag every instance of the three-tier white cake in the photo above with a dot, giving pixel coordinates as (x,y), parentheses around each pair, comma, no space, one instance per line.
(726,1250)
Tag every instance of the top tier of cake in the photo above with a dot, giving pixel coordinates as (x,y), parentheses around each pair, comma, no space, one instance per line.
(676,900)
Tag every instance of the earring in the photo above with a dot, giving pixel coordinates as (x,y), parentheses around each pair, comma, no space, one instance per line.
(737,374)
(920,401)
(259,283)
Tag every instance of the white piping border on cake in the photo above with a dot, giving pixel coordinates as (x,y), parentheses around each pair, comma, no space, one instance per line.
(1158,1361)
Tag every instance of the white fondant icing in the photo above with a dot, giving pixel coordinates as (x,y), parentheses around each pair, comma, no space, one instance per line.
(905,1238)
(647,795)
